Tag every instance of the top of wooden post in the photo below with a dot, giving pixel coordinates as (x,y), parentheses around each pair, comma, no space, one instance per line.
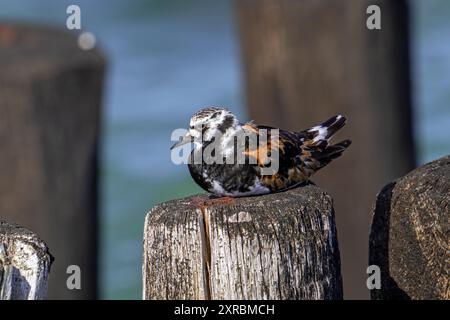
(27,51)
(409,238)
(276,246)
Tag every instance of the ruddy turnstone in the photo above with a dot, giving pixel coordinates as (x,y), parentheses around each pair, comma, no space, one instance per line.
(299,154)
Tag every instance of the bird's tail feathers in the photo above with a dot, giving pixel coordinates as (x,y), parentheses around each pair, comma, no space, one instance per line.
(327,129)
(333,151)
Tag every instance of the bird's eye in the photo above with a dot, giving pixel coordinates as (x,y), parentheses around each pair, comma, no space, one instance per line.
(191,127)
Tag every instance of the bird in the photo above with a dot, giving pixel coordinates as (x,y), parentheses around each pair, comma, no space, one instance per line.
(299,154)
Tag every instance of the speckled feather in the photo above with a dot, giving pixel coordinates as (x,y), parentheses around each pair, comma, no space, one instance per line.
(301,154)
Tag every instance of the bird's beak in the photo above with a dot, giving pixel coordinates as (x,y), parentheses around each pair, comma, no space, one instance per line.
(187,138)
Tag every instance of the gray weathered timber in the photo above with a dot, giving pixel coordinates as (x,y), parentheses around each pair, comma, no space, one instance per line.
(308,60)
(50,97)
(24,264)
(278,246)
(410,236)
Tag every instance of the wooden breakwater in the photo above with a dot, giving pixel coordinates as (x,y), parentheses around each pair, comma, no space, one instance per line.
(50,97)
(284,245)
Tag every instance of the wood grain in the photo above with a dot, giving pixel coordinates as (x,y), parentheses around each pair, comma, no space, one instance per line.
(278,246)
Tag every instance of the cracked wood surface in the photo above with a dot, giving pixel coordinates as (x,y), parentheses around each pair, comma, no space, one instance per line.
(278,246)
(24,264)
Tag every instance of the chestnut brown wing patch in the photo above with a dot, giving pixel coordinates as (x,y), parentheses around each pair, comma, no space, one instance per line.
(289,171)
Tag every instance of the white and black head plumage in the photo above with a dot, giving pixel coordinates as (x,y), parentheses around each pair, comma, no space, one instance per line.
(210,121)
(301,154)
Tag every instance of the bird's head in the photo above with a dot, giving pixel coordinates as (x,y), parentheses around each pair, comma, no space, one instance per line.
(206,124)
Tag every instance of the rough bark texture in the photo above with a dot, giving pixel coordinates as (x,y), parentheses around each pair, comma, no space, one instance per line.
(24,264)
(50,93)
(410,235)
(279,246)
(308,60)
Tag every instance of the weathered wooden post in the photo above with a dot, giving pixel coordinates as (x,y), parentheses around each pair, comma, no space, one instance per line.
(50,94)
(410,236)
(307,60)
(24,264)
(278,246)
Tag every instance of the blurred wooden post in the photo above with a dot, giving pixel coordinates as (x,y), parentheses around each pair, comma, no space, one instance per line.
(307,60)
(410,235)
(24,264)
(279,246)
(50,94)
